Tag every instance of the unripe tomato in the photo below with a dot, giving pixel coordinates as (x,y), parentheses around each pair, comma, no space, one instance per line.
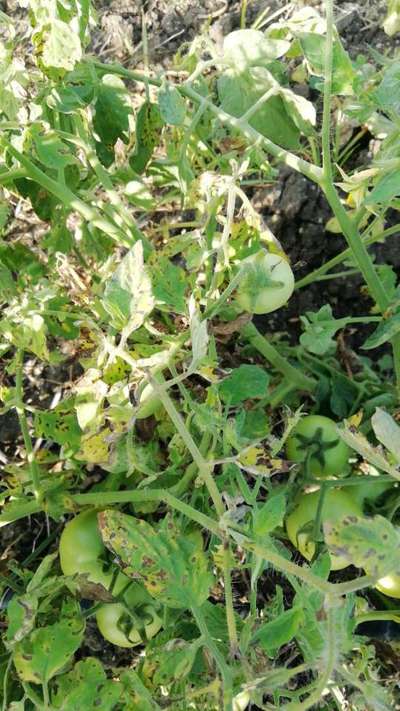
(149,403)
(315,438)
(117,626)
(80,550)
(299,523)
(80,543)
(267,283)
(389,585)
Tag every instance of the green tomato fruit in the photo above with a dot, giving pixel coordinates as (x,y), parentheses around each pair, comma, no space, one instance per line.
(80,550)
(117,626)
(315,438)
(389,585)
(299,523)
(267,283)
(80,543)
(149,403)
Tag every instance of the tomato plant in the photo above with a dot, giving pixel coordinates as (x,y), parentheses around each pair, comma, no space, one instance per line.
(315,442)
(337,504)
(266,284)
(136,247)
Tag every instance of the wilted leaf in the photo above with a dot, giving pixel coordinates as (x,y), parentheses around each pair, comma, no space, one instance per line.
(128,296)
(61,46)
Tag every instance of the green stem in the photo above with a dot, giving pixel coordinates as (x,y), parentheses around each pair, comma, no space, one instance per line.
(272,355)
(205,469)
(379,616)
(23,423)
(345,254)
(219,658)
(230,612)
(103,499)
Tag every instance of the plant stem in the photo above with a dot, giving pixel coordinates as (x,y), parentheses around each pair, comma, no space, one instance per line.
(272,355)
(230,612)
(219,658)
(205,469)
(23,422)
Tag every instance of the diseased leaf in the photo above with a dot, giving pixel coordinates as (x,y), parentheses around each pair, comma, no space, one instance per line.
(369,543)
(61,46)
(128,296)
(46,650)
(87,687)
(172,567)
(149,123)
(374,456)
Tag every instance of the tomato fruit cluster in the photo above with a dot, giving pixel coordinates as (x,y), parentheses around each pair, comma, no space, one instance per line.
(82,552)
(315,442)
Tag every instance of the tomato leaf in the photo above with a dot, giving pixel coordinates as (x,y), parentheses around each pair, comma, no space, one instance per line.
(87,687)
(269,515)
(172,105)
(238,92)
(244,383)
(369,543)
(128,296)
(272,635)
(112,109)
(319,329)
(385,330)
(313,46)
(387,431)
(171,566)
